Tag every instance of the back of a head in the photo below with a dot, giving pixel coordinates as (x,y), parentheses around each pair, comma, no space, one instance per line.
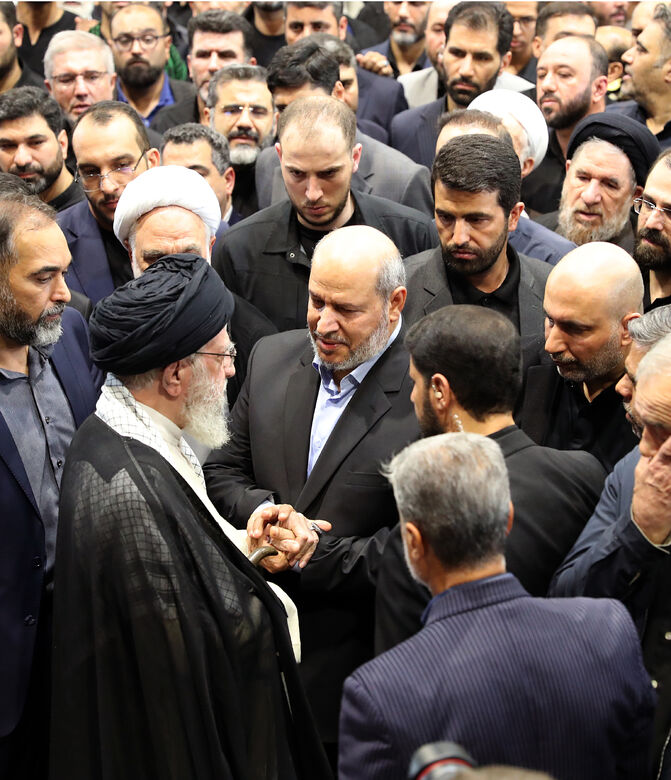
(107,111)
(192,132)
(477,350)
(340,50)
(651,327)
(315,113)
(480,163)
(548,11)
(454,488)
(469,118)
(234,72)
(22,102)
(657,363)
(76,40)
(304,62)
(662,16)
(483,16)
(216,20)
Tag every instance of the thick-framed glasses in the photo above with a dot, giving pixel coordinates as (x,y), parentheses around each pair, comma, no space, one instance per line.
(231,109)
(147,41)
(642,206)
(225,358)
(91,182)
(68,79)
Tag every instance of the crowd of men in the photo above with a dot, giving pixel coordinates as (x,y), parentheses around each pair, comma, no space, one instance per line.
(335,389)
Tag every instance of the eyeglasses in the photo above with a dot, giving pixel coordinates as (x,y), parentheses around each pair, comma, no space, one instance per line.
(645,207)
(147,41)
(525,21)
(94,181)
(225,358)
(234,110)
(68,79)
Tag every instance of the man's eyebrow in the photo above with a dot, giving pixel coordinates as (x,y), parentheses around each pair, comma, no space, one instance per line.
(45,269)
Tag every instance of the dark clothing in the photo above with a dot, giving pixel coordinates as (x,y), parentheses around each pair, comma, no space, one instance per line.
(179,113)
(174,90)
(33,55)
(625,238)
(534,240)
(117,258)
(172,652)
(262,260)
(267,457)
(264,47)
(380,99)
(612,559)
(647,304)
(632,109)
(73,194)
(557,414)
(553,494)
(553,685)
(415,131)
(28,77)
(245,199)
(541,189)
(385,48)
(528,72)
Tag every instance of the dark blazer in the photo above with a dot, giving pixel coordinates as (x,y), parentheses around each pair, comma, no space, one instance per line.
(534,240)
(267,457)
(428,291)
(179,113)
(382,171)
(89,272)
(415,131)
(22,545)
(553,494)
(549,684)
(380,98)
(262,260)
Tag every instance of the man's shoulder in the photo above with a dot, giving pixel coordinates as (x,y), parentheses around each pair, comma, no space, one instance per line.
(406,120)
(400,164)
(74,217)
(272,215)
(535,269)
(180,112)
(417,266)
(384,208)
(181,89)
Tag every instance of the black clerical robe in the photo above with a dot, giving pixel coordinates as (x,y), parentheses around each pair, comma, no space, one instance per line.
(172,657)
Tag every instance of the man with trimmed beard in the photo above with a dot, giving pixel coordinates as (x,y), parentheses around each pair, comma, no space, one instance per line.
(476,181)
(156,603)
(311,427)
(34,144)
(570,401)
(572,81)
(47,388)
(404,50)
(609,156)
(141,42)
(13,72)
(652,251)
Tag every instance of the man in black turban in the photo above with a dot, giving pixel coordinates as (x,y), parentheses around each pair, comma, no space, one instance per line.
(173,657)
(608,158)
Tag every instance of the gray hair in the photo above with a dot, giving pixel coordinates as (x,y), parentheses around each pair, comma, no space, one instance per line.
(454,488)
(234,72)
(191,132)
(391,276)
(657,362)
(76,40)
(651,327)
(594,141)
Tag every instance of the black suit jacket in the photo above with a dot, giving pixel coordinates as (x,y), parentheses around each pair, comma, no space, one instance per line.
(553,494)
(415,131)
(179,113)
(267,457)
(380,98)
(262,260)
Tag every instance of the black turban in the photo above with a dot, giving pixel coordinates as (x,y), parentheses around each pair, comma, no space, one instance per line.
(634,138)
(172,310)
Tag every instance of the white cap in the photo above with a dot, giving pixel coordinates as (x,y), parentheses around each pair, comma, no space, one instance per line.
(506,102)
(167,185)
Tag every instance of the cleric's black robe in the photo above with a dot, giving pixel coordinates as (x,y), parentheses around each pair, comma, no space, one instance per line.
(172,657)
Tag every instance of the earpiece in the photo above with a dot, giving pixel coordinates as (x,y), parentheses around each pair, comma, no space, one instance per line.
(436,391)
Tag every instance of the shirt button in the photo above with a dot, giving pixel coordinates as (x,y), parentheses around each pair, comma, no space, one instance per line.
(292,254)
(667,636)
(37,562)
(59,463)
(47,420)
(654,683)
(29,620)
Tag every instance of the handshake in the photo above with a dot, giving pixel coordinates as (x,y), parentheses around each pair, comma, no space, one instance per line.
(293,536)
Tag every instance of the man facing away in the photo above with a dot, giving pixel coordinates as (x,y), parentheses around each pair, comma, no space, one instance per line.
(553,685)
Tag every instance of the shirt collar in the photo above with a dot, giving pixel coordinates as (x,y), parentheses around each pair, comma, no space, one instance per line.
(37,360)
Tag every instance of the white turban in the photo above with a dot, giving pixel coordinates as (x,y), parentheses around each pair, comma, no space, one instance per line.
(506,102)
(167,185)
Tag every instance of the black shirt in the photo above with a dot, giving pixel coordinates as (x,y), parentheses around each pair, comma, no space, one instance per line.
(541,189)
(117,257)
(245,199)
(263,46)
(33,55)
(647,303)
(309,237)
(632,109)
(73,194)
(503,300)
(29,78)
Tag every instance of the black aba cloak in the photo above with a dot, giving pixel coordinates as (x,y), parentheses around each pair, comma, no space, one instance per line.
(172,657)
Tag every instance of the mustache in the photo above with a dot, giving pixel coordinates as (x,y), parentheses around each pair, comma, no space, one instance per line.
(57,308)
(655,237)
(563,361)
(30,168)
(244,134)
(330,337)
(463,80)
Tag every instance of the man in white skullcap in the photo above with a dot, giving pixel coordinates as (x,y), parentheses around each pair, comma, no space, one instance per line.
(172,209)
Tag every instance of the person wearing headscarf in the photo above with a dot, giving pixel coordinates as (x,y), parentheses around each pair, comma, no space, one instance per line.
(172,656)
(608,159)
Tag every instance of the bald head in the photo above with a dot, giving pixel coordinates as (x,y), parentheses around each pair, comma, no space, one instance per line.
(357,293)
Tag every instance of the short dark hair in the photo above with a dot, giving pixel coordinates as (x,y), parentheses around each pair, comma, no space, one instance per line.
(304,62)
(316,112)
(341,50)
(663,15)
(477,350)
(222,22)
(547,11)
(482,16)
(234,72)
(22,102)
(105,111)
(479,163)
(191,132)
(473,117)
(15,206)
(337,7)
(8,12)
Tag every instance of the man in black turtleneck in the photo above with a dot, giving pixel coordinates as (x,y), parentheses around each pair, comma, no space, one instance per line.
(240,107)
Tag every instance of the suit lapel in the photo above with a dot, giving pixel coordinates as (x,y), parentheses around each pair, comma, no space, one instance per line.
(10,454)
(436,284)
(89,260)
(300,402)
(361,180)
(67,375)
(530,304)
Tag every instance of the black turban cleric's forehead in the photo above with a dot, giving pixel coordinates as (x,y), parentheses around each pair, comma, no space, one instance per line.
(171,311)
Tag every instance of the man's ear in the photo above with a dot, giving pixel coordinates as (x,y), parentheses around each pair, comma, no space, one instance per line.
(514,216)
(599,88)
(505,61)
(278,149)
(342,28)
(511,514)
(173,376)
(536,46)
(357,150)
(62,139)
(153,158)
(396,303)
(229,177)
(626,339)
(17,34)
(338,91)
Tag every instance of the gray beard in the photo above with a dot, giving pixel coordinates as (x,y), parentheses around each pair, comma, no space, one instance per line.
(406,39)
(205,409)
(244,155)
(372,346)
(16,325)
(603,363)
(580,234)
